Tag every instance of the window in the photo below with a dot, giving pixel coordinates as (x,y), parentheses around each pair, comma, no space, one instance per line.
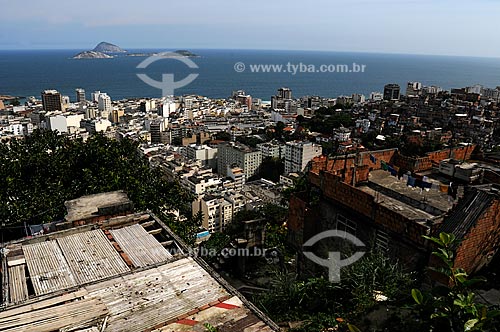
(381,240)
(346,225)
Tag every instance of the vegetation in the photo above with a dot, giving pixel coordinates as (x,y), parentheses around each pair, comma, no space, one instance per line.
(454,307)
(320,304)
(41,172)
(326,120)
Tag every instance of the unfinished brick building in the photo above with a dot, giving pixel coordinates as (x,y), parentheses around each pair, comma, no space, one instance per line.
(354,194)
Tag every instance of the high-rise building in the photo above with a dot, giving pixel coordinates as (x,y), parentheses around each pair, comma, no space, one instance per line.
(242,156)
(217,212)
(116,115)
(299,154)
(376,96)
(104,103)
(392,92)
(95,96)
(413,89)
(156,127)
(283,98)
(285,93)
(52,101)
(80,95)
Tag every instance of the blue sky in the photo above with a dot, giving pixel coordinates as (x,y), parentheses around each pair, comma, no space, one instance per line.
(394,26)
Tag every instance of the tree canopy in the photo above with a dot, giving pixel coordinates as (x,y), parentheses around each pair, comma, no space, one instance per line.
(41,172)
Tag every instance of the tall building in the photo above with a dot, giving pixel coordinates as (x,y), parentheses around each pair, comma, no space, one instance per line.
(299,154)
(282,99)
(52,101)
(104,103)
(116,115)
(80,95)
(242,156)
(392,92)
(95,96)
(273,149)
(217,212)
(413,89)
(156,127)
(285,93)
(376,96)
(206,154)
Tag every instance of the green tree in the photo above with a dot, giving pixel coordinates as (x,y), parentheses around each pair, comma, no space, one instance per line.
(454,307)
(41,172)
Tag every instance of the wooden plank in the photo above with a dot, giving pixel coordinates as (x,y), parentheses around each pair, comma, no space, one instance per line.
(48,270)
(17,282)
(91,256)
(141,247)
(44,304)
(142,300)
(55,318)
(13,261)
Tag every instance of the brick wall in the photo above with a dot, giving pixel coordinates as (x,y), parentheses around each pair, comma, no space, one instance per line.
(391,156)
(413,164)
(364,203)
(338,163)
(460,153)
(420,164)
(481,242)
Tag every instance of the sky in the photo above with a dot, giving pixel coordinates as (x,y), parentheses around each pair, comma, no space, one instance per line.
(441,27)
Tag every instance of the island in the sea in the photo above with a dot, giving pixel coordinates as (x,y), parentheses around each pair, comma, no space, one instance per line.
(105,50)
(178,53)
(105,47)
(92,55)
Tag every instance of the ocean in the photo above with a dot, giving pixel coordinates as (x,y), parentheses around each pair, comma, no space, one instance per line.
(27,73)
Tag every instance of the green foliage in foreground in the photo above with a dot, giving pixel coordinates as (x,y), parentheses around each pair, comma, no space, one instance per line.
(453,308)
(38,174)
(320,304)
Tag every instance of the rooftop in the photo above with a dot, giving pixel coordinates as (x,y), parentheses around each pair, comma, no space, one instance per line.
(432,201)
(89,206)
(126,273)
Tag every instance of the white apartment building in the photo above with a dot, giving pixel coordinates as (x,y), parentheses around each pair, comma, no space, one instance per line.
(376,96)
(104,103)
(271,149)
(238,177)
(342,134)
(217,212)
(200,185)
(298,154)
(205,153)
(242,156)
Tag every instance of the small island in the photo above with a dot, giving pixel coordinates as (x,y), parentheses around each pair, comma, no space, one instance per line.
(105,47)
(167,54)
(105,50)
(186,53)
(92,55)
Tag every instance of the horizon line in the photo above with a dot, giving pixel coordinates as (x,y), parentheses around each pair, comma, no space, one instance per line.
(265,49)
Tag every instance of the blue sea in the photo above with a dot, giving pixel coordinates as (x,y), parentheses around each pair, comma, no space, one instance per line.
(27,73)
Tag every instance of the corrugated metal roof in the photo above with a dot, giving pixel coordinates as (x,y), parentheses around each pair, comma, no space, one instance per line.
(466,213)
(49,271)
(141,247)
(91,256)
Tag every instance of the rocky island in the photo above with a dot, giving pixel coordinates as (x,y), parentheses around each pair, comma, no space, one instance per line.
(92,55)
(105,47)
(105,50)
